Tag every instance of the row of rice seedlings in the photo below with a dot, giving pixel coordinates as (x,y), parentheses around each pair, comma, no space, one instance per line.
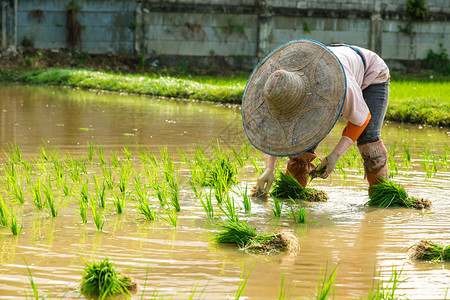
(390,194)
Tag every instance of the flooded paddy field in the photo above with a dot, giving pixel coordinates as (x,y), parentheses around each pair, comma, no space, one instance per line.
(73,141)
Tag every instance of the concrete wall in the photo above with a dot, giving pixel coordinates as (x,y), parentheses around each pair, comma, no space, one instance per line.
(106,24)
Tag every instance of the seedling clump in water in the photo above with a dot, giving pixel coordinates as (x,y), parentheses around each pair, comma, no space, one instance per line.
(247,238)
(102,280)
(388,193)
(427,250)
(286,186)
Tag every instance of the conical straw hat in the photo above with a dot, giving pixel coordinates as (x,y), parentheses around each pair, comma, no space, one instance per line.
(293,98)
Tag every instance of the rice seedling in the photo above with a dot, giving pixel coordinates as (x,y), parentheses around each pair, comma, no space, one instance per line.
(222,170)
(325,286)
(172,217)
(230,208)
(84,191)
(428,250)
(171,178)
(100,155)
(198,192)
(407,157)
(16,229)
(75,170)
(119,203)
(206,202)
(242,283)
(4,213)
(182,155)
(97,214)
(277,207)
(115,161)
(161,193)
(246,199)
(91,151)
(285,292)
(100,191)
(255,164)
(127,153)
(124,175)
(64,186)
(36,191)
(246,150)
(142,204)
(386,290)
(299,213)
(18,190)
(101,280)
(108,176)
(390,194)
(238,158)
(236,232)
(52,206)
(286,186)
(426,167)
(83,210)
(14,150)
(34,286)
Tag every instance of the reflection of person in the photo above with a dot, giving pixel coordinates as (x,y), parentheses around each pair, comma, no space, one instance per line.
(295,96)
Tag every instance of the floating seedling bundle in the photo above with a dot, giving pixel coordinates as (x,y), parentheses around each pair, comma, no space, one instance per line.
(100,279)
(247,238)
(427,250)
(390,194)
(286,186)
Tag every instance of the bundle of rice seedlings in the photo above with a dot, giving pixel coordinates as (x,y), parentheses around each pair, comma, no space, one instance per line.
(222,170)
(427,250)
(101,280)
(390,194)
(286,186)
(246,237)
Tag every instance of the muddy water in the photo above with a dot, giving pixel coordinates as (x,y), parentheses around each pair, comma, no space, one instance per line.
(365,243)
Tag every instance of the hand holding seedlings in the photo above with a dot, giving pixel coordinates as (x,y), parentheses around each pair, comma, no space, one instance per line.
(264,182)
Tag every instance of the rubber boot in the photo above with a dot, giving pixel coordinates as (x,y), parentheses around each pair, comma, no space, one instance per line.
(300,165)
(375,162)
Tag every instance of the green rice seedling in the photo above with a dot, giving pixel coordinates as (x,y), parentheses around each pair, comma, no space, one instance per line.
(206,202)
(238,158)
(235,232)
(246,199)
(255,164)
(182,155)
(115,161)
(277,207)
(124,175)
(197,189)
(44,155)
(4,213)
(91,151)
(407,157)
(286,186)
(146,210)
(83,210)
(97,214)
(101,157)
(171,178)
(84,191)
(100,191)
(127,153)
(199,174)
(428,250)
(65,189)
(390,194)
(172,217)
(73,171)
(34,286)
(16,229)
(426,167)
(242,283)
(222,170)
(18,190)
(14,151)
(230,208)
(325,286)
(299,213)
(161,193)
(119,203)
(36,191)
(246,150)
(387,290)
(58,170)
(52,206)
(108,176)
(285,292)
(101,280)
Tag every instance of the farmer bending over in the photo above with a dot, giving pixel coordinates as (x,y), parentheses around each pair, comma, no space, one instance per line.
(294,97)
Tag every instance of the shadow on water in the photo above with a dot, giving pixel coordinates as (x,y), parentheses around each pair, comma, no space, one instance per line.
(363,240)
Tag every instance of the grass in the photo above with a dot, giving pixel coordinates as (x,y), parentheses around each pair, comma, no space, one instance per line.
(100,279)
(236,232)
(299,214)
(390,194)
(16,229)
(325,286)
(34,286)
(386,290)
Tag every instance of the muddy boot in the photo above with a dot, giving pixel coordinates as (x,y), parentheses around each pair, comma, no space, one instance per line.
(300,165)
(375,162)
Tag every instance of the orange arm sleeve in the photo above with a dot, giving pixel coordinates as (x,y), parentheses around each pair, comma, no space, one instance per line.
(352,131)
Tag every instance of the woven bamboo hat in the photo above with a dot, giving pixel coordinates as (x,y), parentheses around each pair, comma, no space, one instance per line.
(293,98)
